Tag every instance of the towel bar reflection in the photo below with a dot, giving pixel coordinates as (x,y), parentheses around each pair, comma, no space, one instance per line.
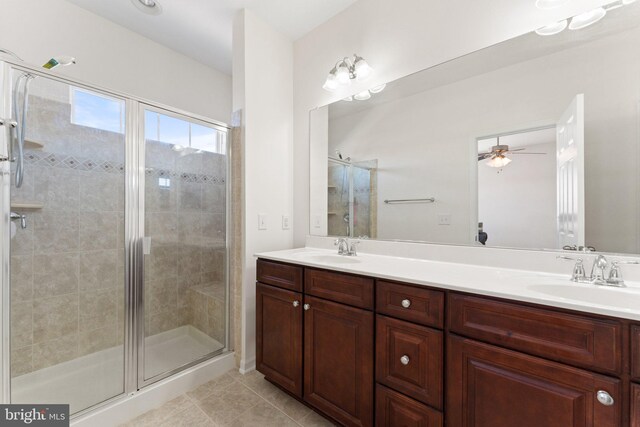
(428,200)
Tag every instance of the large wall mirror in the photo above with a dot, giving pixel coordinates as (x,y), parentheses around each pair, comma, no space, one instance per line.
(531,143)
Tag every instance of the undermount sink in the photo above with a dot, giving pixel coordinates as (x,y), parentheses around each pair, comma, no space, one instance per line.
(333,259)
(620,297)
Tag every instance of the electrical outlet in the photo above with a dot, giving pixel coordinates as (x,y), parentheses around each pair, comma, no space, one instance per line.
(262,221)
(444,219)
(285,222)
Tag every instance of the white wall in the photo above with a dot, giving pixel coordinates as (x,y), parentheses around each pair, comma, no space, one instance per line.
(112,56)
(398,37)
(439,127)
(263,89)
(517,203)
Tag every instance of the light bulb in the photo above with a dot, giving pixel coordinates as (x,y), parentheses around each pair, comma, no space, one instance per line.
(378,89)
(549,4)
(588,18)
(342,75)
(552,29)
(498,162)
(331,83)
(362,69)
(362,96)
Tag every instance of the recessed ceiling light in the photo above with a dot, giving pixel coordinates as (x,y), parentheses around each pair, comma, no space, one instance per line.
(588,18)
(552,29)
(549,4)
(150,7)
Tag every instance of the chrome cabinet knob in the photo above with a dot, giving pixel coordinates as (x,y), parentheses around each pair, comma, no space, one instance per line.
(306,307)
(296,303)
(406,303)
(404,360)
(604,398)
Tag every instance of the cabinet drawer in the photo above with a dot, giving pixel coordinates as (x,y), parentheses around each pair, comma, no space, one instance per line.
(397,410)
(578,340)
(339,287)
(492,386)
(281,275)
(635,405)
(409,359)
(417,305)
(635,352)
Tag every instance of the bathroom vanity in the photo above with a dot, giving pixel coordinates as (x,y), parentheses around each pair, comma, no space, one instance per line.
(368,349)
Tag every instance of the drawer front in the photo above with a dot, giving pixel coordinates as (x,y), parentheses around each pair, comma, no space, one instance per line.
(281,275)
(339,287)
(397,410)
(635,405)
(635,352)
(578,340)
(410,303)
(409,359)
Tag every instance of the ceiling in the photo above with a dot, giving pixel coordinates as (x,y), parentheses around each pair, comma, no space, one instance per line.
(202,29)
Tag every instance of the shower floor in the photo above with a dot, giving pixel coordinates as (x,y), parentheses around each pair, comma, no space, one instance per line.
(91,379)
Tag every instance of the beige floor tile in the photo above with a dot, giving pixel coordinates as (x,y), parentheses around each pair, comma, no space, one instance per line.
(263,415)
(314,419)
(190,417)
(155,416)
(224,405)
(211,387)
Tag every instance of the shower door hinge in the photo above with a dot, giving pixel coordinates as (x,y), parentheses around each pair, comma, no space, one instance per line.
(8,122)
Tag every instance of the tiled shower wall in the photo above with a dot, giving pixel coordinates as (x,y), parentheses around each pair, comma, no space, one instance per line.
(67,266)
(338,201)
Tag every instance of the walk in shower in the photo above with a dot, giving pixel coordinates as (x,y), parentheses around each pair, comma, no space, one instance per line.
(352,198)
(114,246)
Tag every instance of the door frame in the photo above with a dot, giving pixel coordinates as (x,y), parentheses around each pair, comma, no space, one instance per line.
(473,175)
(134,226)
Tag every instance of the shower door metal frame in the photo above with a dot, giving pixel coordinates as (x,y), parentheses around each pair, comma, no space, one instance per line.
(134,228)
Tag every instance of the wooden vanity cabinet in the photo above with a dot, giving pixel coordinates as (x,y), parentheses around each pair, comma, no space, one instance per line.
(494,387)
(279,336)
(635,352)
(635,405)
(338,361)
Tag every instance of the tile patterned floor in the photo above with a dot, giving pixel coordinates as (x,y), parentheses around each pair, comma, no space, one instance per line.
(233,400)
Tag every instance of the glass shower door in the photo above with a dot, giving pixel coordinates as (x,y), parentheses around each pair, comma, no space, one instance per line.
(67,248)
(185,250)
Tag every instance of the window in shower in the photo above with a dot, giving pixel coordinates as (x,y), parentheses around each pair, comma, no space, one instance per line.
(185,219)
(96,111)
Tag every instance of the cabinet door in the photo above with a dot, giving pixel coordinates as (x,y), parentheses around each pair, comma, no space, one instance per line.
(279,336)
(338,361)
(489,386)
(397,410)
(635,405)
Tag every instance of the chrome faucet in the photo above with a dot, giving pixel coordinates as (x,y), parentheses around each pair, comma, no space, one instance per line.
(345,247)
(598,268)
(598,271)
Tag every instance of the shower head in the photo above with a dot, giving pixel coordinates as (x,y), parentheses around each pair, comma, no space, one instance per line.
(339,154)
(63,60)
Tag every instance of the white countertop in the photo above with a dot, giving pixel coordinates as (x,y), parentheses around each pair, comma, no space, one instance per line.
(554,290)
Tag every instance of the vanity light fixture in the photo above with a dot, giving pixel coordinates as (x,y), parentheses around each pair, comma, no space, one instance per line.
(550,4)
(346,70)
(378,89)
(585,19)
(552,29)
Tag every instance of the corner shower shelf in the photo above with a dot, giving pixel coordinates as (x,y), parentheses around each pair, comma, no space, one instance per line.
(32,145)
(331,213)
(27,205)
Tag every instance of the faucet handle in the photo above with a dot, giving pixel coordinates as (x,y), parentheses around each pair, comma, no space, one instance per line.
(578,274)
(615,274)
(353,247)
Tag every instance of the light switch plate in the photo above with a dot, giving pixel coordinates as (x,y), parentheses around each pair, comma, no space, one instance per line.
(316,221)
(444,219)
(262,221)
(285,222)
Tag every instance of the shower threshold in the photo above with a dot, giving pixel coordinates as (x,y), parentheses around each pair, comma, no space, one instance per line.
(89,380)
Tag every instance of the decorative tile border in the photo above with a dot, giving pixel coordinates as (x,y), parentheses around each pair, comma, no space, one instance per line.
(42,158)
